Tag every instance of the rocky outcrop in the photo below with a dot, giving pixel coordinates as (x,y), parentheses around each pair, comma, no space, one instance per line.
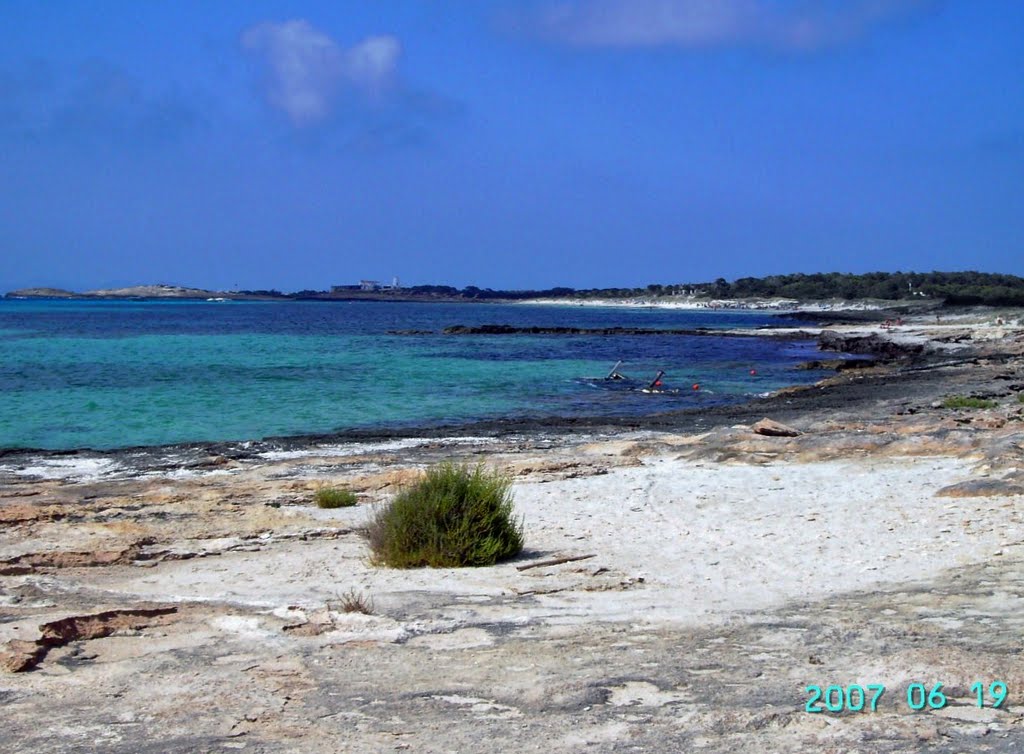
(135,291)
(871,345)
(153,291)
(982,488)
(30,562)
(41,293)
(771,428)
(20,656)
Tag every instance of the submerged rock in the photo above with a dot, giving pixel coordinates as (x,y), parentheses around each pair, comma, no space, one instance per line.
(838,365)
(546,330)
(550,330)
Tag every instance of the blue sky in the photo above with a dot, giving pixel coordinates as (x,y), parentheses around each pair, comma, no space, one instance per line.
(507,144)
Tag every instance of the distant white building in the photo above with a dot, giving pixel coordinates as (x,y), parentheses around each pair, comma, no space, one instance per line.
(376,285)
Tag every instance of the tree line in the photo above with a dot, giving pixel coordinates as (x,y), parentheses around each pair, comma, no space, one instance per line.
(953,288)
(949,287)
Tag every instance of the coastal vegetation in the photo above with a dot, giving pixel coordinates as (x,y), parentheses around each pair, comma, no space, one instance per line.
(454,516)
(949,288)
(961,401)
(334,497)
(953,288)
(945,288)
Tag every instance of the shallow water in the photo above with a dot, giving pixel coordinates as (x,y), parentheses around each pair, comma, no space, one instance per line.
(108,374)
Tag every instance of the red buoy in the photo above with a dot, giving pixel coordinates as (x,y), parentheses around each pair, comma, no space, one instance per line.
(696,386)
(753,371)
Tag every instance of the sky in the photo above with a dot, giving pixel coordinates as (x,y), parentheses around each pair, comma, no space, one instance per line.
(506,144)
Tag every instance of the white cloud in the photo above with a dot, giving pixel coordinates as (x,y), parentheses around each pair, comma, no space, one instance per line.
(372,63)
(788,25)
(307,71)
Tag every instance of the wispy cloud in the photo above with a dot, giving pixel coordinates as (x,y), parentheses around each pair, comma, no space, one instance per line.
(373,63)
(792,26)
(307,73)
(96,101)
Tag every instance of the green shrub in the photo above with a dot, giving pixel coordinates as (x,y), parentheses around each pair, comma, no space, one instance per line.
(334,497)
(960,401)
(1020,397)
(454,516)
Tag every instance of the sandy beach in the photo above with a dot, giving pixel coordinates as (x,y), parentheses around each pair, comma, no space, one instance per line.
(191,599)
(780,305)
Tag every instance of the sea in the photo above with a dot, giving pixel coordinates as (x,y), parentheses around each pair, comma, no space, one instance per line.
(106,374)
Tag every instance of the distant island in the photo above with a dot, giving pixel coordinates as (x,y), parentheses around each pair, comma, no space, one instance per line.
(935,288)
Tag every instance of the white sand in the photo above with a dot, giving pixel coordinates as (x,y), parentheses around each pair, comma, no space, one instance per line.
(712,305)
(676,542)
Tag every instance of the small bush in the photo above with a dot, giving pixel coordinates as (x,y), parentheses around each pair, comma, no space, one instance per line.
(960,401)
(455,516)
(1020,397)
(334,497)
(355,602)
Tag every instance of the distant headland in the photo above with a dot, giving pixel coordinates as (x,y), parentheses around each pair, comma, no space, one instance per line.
(774,291)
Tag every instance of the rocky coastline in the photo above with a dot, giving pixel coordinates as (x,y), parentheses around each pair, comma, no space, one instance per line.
(712,566)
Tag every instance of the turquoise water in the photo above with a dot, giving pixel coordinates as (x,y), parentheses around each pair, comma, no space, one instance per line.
(106,374)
